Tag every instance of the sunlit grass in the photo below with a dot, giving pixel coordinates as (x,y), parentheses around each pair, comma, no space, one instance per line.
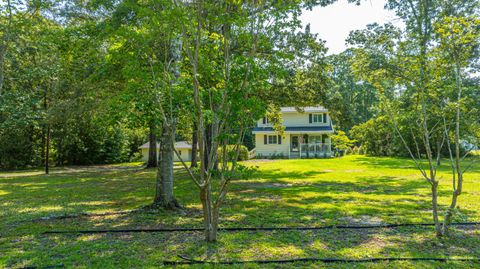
(350,190)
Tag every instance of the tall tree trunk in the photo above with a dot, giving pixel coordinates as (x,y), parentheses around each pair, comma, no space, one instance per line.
(194,147)
(47,136)
(152,148)
(44,143)
(164,189)
(47,150)
(438,227)
(2,60)
(457,171)
(210,214)
(208,144)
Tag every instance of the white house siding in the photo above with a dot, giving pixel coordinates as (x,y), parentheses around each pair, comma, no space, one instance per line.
(269,150)
(296,123)
(296,119)
(185,153)
(144,155)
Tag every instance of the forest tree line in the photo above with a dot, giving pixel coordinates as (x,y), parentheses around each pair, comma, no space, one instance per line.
(79,74)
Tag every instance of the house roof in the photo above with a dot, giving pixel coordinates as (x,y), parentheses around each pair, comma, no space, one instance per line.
(308,109)
(178,145)
(297,129)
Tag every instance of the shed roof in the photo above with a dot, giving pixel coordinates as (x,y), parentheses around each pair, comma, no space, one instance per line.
(178,145)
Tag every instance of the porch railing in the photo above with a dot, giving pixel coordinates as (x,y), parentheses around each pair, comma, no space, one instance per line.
(252,153)
(315,150)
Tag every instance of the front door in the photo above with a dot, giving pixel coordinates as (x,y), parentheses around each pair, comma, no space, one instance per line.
(294,143)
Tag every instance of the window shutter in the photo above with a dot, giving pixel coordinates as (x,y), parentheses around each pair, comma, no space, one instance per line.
(279,139)
(310,118)
(324,117)
(264,120)
(265,139)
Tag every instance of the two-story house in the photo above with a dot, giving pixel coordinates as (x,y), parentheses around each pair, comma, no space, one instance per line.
(306,134)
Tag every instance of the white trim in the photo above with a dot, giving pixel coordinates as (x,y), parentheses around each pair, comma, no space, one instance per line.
(308,109)
(293,132)
(272,136)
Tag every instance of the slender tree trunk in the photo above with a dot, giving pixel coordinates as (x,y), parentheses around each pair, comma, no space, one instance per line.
(210,214)
(152,148)
(6,38)
(47,150)
(208,144)
(47,136)
(164,189)
(194,147)
(2,60)
(457,172)
(438,227)
(44,143)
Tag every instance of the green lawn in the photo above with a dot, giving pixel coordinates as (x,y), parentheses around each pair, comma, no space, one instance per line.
(349,190)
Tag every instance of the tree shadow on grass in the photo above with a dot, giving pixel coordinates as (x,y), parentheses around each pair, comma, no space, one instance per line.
(463,242)
(29,198)
(383,199)
(278,201)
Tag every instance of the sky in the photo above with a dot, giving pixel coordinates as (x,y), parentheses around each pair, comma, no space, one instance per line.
(333,23)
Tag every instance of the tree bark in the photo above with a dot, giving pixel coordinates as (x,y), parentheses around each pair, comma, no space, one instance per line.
(210,214)
(47,150)
(438,227)
(457,171)
(164,187)
(208,144)
(2,60)
(47,135)
(152,148)
(194,147)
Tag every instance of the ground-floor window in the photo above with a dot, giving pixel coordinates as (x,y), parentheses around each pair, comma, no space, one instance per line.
(272,139)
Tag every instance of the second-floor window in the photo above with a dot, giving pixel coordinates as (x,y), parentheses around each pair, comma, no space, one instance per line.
(265,120)
(318,118)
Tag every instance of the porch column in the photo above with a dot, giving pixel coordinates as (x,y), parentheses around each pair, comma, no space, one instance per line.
(289,145)
(300,140)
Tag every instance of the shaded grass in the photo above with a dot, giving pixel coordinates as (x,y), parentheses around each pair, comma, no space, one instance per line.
(351,190)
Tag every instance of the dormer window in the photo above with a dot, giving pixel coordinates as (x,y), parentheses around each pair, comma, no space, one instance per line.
(265,120)
(318,118)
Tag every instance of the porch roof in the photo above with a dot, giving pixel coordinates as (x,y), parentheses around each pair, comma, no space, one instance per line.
(297,129)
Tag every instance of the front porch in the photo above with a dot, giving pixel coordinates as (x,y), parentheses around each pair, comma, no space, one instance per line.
(310,146)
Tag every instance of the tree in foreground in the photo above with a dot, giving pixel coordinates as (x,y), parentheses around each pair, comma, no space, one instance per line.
(147,48)
(458,48)
(237,55)
(405,68)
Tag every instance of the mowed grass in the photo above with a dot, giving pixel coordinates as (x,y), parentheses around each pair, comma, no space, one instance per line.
(282,193)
